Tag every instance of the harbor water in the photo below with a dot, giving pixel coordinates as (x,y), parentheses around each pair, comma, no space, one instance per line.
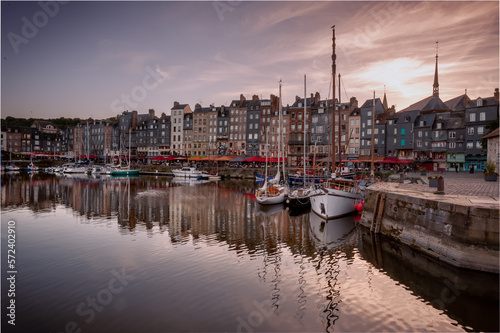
(153,254)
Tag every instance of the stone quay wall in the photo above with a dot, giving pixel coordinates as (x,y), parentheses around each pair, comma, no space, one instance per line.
(450,228)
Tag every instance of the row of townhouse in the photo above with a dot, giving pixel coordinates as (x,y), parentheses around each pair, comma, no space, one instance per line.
(431,133)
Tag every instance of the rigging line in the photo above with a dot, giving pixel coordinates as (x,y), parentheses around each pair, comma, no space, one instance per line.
(343,85)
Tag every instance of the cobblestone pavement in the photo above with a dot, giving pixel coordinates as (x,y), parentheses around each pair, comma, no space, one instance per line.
(461,183)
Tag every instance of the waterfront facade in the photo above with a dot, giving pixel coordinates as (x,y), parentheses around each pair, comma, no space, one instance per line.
(431,134)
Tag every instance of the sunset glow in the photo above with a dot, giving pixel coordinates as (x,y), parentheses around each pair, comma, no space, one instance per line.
(86,58)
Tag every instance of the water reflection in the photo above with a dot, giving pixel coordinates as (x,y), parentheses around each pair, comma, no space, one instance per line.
(305,273)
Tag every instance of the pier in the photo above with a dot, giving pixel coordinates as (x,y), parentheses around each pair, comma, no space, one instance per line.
(460,227)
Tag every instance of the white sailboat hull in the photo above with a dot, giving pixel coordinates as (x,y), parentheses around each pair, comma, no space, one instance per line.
(271,195)
(330,203)
(271,200)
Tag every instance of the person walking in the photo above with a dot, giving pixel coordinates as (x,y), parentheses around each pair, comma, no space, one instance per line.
(471,169)
(456,167)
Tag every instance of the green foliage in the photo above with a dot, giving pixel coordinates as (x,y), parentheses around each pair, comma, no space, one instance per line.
(489,127)
(61,123)
(490,168)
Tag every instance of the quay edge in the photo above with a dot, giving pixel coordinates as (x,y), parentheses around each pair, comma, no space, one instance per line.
(449,228)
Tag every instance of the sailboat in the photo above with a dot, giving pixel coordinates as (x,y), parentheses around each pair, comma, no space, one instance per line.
(11,167)
(273,192)
(338,197)
(126,171)
(299,198)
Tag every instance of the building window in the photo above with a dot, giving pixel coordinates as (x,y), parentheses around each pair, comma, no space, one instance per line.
(470,130)
(470,144)
(482,116)
(452,145)
(402,142)
(402,131)
(472,117)
(452,134)
(480,130)
(478,144)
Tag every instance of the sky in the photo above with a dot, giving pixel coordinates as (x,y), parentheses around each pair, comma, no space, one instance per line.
(98,59)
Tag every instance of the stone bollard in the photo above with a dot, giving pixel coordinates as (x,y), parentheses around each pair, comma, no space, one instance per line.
(440,187)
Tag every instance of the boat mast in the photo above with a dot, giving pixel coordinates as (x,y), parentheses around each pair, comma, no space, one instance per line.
(372,173)
(88,142)
(279,131)
(334,57)
(304,158)
(339,136)
(129,143)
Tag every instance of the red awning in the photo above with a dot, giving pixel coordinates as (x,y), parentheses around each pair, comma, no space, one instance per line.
(159,158)
(405,161)
(392,160)
(255,159)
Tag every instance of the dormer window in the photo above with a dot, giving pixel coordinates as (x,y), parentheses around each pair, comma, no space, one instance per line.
(422,123)
(439,125)
(479,102)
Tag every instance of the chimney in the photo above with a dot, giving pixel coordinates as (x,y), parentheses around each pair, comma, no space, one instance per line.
(151,113)
(297,98)
(255,98)
(353,103)
(317,97)
(176,103)
(312,99)
(496,94)
(242,99)
(197,106)
(133,125)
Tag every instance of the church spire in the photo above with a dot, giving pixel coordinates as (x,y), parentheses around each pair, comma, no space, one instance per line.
(435,89)
(386,106)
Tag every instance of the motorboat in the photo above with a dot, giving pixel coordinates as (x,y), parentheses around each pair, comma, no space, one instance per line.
(190,172)
(124,172)
(11,168)
(336,198)
(76,168)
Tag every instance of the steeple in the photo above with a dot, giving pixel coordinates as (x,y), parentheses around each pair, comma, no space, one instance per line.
(435,89)
(386,106)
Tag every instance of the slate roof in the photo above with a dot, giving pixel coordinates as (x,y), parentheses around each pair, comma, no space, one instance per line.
(356,112)
(369,103)
(296,104)
(427,118)
(430,103)
(202,110)
(458,103)
(486,102)
(179,107)
(404,114)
